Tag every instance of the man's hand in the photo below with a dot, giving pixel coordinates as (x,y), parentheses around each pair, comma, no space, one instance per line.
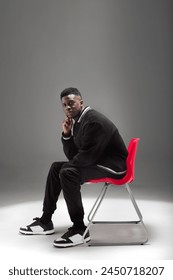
(67,126)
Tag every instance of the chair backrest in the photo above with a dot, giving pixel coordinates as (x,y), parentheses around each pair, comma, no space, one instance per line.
(132,149)
(129,177)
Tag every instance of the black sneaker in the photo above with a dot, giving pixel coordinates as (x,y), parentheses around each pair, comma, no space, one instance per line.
(71,238)
(37,227)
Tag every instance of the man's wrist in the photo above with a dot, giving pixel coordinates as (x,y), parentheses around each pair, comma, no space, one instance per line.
(66,136)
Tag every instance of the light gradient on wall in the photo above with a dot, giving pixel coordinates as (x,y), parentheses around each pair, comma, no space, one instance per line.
(118,53)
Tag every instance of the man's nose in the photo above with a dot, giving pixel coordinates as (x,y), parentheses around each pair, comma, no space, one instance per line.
(68,107)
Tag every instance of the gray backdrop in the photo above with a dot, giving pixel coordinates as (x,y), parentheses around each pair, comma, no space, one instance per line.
(117,52)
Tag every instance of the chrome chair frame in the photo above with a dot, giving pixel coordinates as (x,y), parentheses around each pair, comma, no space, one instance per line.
(96,207)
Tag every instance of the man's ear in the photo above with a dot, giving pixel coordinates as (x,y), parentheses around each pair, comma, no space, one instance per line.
(81,102)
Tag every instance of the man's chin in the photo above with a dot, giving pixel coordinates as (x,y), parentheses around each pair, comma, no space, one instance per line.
(70,115)
(73,115)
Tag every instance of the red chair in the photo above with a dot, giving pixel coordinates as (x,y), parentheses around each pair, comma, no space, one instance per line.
(128,178)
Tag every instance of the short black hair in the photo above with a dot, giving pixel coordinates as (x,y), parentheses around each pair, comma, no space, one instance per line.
(70,90)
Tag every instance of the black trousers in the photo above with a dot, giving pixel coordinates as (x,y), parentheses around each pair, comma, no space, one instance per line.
(69,179)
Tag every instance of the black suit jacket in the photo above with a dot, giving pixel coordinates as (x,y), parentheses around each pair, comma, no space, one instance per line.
(95,140)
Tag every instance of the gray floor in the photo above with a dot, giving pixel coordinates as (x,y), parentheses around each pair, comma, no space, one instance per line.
(20,252)
(157,217)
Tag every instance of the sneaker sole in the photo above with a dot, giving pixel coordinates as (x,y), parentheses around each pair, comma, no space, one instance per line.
(48,232)
(71,244)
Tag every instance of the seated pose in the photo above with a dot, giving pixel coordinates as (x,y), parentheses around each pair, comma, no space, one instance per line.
(94,149)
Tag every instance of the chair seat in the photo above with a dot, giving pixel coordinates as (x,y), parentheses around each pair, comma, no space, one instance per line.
(111,181)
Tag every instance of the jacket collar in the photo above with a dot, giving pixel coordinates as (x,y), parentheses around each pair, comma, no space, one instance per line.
(83,112)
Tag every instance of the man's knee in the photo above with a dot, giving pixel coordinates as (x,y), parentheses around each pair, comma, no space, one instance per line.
(56,167)
(65,172)
(68,172)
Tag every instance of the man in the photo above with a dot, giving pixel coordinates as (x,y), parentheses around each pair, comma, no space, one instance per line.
(94,149)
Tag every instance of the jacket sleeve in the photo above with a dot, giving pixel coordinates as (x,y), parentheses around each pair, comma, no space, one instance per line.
(69,147)
(93,142)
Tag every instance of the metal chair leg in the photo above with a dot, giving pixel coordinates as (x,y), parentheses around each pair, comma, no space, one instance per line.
(97,205)
(98,202)
(134,202)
